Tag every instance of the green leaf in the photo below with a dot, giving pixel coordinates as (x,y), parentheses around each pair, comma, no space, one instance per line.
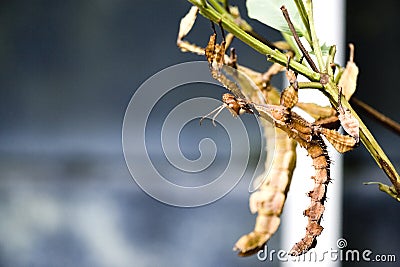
(269,12)
(324,49)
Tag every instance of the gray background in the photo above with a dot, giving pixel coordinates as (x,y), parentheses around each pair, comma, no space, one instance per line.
(67,72)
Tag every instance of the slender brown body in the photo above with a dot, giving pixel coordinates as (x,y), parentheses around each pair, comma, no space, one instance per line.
(308,136)
(269,200)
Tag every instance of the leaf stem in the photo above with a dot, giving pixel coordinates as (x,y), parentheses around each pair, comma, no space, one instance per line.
(310,85)
(288,38)
(218,7)
(203,2)
(315,43)
(303,15)
(330,61)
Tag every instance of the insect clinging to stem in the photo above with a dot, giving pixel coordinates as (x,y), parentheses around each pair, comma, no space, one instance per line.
(290,128)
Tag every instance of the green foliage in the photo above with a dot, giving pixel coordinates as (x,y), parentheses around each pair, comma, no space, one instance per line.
(269,13)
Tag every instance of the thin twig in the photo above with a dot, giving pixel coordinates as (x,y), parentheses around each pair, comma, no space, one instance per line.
(297,39)
(373,113)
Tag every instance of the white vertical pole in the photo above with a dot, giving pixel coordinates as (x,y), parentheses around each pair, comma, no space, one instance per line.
(329,18)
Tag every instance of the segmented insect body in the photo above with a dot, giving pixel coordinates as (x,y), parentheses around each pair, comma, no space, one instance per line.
(317,151)
(308,136)
(270,198)
(268,201)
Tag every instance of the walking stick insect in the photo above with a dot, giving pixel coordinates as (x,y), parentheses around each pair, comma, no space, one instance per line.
(273,184)
(308,135)
(268,201)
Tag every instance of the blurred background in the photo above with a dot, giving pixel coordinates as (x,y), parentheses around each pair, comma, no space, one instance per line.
(67,72)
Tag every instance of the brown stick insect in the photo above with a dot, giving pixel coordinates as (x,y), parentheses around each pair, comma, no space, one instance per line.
(269,199)
(307,134)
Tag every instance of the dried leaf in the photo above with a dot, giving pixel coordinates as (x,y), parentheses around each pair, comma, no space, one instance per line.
(349,123)
(348,81)
(184,28)
(187,22)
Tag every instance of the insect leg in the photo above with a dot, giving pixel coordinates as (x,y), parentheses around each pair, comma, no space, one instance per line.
(217,111)
(289,96)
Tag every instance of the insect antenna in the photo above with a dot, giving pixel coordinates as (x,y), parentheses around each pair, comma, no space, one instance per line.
(217,111)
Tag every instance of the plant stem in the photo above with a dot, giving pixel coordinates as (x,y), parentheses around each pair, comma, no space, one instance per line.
(315,43)
(329,88)
(303,14)
(366,137)
(272,55)
(218,7)
(310,85)
(288,38)
(331,60)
